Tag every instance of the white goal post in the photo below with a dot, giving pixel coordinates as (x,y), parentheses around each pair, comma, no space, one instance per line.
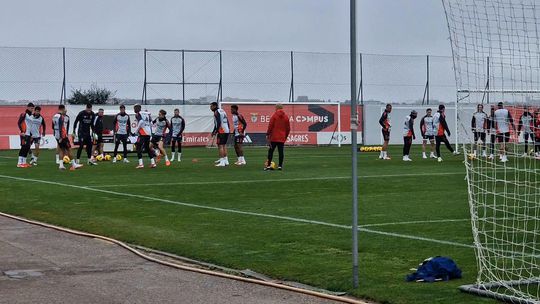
(496,52)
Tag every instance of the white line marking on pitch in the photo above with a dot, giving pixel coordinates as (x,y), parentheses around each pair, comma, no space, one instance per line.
(415,222)
(280,180)
(287,218)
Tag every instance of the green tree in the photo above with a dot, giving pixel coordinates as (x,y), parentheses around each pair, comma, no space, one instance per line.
(94,95)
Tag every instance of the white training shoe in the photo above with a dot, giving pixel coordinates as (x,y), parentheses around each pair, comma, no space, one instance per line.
(386,158)
(126,160)
(76,166)
(406,158)
(484,154)
(217,161)
(221,164)
(114,160)
(491,156)
(439,159)
(524,155)
(424,156)
(456,152)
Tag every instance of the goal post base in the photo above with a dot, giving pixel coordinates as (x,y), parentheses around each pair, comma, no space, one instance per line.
(485,290)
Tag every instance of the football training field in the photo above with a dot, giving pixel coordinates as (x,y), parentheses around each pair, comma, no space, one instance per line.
(292,224)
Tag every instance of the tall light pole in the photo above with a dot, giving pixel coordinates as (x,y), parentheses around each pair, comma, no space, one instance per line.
(354,130)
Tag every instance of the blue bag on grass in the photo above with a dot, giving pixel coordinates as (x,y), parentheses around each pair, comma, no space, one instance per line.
(435,269)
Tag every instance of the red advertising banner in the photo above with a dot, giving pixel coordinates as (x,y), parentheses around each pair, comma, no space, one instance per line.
(311,124)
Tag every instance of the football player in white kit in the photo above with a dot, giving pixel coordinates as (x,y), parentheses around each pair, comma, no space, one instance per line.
(122,129)
(178,124)
(503,122)
(479,124)
(144,131)
(439,120)
(408,134)
(60,126)
(386,125)
(492,131)
(239,124)
(221,130)
(158,138)
(526,123)
(427,128)
(35,128)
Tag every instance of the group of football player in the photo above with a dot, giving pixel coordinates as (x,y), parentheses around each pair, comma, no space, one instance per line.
(150,135)
(497,125)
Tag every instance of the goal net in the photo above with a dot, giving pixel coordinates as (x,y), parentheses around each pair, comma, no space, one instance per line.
(496,52)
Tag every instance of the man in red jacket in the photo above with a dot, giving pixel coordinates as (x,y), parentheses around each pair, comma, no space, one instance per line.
(276,135)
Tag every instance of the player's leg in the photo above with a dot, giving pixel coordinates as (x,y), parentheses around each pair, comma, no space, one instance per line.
(238,148)
(94,146)
(173,148)
(21,163)
(475,143)
(179,141)
(151,152)
(506,139)
(225,154)
(100,140)
(163,152)
(139,146)
(270,155)
(80,149)
(116,145)
(483,140)
(89,147)
(407,142)
(59,153)
(526,138)
(404,148)
(501,146)
(35,155)
(153,145)
(432,143)
(124,146)
(424,143)
(222,147)
(281,152)
(447,144)
(438,140)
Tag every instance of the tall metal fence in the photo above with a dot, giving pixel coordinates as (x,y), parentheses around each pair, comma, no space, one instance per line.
(49,75)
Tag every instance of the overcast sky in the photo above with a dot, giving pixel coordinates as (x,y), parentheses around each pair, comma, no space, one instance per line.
(385,26)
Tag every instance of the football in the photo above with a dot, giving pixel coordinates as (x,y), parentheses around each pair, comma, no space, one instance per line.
(118,157)
(66,159)
(99,157)
(107,157)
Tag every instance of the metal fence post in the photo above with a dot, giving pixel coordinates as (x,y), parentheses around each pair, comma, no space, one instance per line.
(183,80)
(220,89)
(143,99)
(63,93)
(291,91)
(427,79)
(354,128)
(361,95)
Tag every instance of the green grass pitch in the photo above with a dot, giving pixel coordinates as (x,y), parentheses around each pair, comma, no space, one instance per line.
(290,225)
